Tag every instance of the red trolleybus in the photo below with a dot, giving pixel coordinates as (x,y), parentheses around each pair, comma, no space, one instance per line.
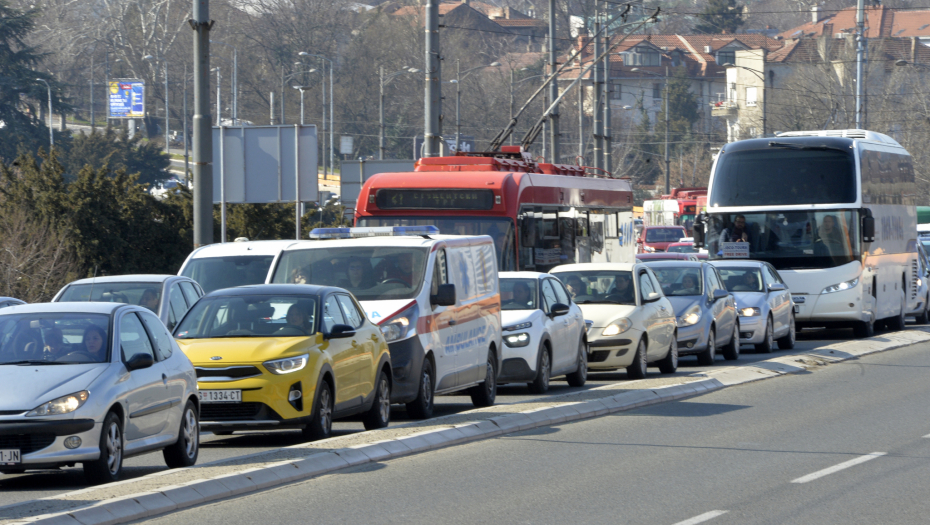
(539,215)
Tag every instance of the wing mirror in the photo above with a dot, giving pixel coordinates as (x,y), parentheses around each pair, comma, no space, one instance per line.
(559,309)
(652,296)
(777,287)
(340,331)
(868,226)
(445,295)
(140,361)
(697,231)
(720,293)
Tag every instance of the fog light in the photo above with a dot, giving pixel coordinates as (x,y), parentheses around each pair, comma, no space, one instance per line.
(294,395)
(72,442)
(691,344)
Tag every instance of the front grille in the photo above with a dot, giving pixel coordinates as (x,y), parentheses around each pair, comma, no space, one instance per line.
(27,443)
(228,373)
(229,411)
(598,356)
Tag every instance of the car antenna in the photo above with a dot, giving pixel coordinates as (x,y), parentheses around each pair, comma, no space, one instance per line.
(92,281)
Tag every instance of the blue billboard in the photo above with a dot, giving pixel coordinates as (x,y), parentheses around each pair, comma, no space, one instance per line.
(126,98)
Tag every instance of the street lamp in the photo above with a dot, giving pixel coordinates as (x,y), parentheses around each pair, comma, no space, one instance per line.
(459,77)
(512,84)
(383,81)
(331,110)
(302,88)
(152,59)
(234,80)
(219,109)
(761,76)
(668,188)
(286,78)
(51,132)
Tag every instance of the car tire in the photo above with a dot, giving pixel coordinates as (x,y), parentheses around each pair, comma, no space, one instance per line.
(543,371)
(580,375)
(379,415)
(768,340)
(924,316)
(707,357)
(731,350)
(786,342)
(484,394)
(669,363)
(109,466)
(321,417)
(637,369)
(422,406)
(863,329)
(184,451)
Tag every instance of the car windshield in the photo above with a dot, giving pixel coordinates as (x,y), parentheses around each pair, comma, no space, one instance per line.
(684,248)
(741,279)
(518,294)
(250,316)
(141,294)
(680,280)
(664,234)
(599,286)
(215,273)
(371,273)
(54,338)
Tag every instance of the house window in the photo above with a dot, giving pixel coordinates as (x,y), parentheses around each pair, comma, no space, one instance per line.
(641,56)
(751,96)
(615,92)
(726,57)
(657,90)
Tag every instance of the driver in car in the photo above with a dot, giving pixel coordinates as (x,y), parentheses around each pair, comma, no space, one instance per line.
(521,295)
(623,287)
(54,344)
(297,317)
(688,285)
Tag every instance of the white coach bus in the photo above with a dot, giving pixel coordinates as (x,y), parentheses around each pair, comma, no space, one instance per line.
(833,212)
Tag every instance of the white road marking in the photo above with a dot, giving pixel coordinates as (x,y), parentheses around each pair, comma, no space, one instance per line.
(703,517)
(837,468)
(927,436)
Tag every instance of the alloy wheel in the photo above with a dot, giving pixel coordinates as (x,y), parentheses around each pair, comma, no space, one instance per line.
(114,448)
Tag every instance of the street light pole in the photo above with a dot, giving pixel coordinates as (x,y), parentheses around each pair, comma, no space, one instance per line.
(458,104)
(668,189)
(382,81)
(234,84)
(332,112)
(219,109)
(203,142)
(51,131)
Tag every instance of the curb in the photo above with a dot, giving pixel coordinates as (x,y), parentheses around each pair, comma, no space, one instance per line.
(197,492)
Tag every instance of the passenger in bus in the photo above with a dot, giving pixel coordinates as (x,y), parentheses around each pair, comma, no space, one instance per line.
(149,299)
(300,275)
(737,232)
(829,238)
(359,275)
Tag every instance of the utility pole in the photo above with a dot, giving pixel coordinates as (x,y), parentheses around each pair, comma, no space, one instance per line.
(203,139)
(553,88)
(608,143)
(433,95)
(381,113)
(580,117)
(271,107)
(668,188)
(93,121)
(598,94)
(860,44)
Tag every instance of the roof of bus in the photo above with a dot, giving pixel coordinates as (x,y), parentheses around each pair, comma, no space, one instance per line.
(490,179)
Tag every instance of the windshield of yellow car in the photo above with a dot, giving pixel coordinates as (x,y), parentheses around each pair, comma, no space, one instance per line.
(250,316)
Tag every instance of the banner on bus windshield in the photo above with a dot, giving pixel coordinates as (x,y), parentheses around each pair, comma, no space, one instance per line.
(464,199)
(735,250)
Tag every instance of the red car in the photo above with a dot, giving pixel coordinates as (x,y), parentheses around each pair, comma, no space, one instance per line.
(658,238)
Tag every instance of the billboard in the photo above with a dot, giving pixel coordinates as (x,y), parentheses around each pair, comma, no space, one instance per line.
(126,98)
(467,144)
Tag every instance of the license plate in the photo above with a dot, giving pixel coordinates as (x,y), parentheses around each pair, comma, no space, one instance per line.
(221,396)
(10,456)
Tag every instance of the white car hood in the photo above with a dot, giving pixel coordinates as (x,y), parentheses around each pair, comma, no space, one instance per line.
(512,317)
(603,314)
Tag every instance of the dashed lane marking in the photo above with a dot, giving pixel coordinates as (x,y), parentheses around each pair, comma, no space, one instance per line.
(836,468)
(707,516)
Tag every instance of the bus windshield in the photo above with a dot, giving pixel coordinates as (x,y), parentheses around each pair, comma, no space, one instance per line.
(500,229)
(778,176)
(791,240)
(215,273)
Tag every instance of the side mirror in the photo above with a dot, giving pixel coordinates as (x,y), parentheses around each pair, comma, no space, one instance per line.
(445,295)
(140,361)
(652,296)
(720,293)
(868,227)
(340,331)
(559,309)
(697,231)
(777,287)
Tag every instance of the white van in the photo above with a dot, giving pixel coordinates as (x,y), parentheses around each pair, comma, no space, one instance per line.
(231,264)
(435,297)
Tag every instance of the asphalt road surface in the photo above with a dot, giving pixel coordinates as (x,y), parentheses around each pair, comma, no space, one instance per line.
(40,484)
(847,444)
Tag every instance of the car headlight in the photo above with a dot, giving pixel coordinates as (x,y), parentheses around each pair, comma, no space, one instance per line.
(750,312)
(517,340)
(691,316)
(62,405)
(841,286)
(287,365)
(401,325)
(617,328)
(514,328)
(648,249)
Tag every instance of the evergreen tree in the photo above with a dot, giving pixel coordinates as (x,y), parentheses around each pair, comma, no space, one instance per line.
(119,152)
(682,109)
(720,16)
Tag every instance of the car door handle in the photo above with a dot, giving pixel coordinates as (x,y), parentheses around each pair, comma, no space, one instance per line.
(452,322)
(164,379)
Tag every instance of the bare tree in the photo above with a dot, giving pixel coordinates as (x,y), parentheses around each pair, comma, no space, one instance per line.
(35,261)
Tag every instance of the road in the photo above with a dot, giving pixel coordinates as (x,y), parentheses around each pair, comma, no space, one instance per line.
(40,484)
(797,450)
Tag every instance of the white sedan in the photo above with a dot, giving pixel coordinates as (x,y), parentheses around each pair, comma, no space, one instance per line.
(543,331)
(634,324)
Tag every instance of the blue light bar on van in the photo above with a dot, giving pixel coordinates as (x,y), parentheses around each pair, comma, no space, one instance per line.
(382,231)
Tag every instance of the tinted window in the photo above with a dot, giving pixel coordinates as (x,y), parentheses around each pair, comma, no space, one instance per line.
(560,292)
(247,316)
(140,294)
(132,337)
(352,314)
(783,176)
(645,285)
(600,286)
(214,273)
(518,294)
(332,315)
(176,304)
(160,336)
(190,292)
(664,234)
(548,295)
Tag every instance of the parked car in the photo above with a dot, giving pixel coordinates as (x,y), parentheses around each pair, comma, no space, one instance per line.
(658,238)
(706,311)
(93,383)
(763,302)
(169,296)
(230,264)
(543,331)
(435,297)
(286,356)
(633,323)
(10,301)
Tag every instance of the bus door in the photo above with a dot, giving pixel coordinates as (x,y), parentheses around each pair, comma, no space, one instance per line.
(540,239)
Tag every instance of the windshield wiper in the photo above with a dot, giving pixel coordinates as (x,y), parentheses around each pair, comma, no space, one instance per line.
(36,362)
(792,145)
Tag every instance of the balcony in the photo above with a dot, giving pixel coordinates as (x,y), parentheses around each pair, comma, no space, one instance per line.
(724,108)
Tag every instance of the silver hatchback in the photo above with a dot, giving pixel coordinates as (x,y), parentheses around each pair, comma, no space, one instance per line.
(93,383)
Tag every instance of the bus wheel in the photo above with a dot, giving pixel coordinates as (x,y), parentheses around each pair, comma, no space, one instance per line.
(924,316)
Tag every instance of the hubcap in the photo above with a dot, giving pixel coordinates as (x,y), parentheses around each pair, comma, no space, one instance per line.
(114,449)
(712,344)
(583,362)
(544,369)
(642,357)
(326,411)
(427,388)
(673,351)
(190,434)
(792,332)
(385,400)
(489,381)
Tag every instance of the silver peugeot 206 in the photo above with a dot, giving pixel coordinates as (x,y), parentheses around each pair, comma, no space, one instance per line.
(93,383)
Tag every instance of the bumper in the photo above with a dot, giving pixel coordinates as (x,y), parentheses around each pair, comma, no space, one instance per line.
(611,353)
(406,363)
(751,329)
(692,339)
(519,363)
(844,306)
(264,401)
(41,443)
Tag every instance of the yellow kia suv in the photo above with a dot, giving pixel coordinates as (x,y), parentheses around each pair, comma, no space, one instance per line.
(280,356)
